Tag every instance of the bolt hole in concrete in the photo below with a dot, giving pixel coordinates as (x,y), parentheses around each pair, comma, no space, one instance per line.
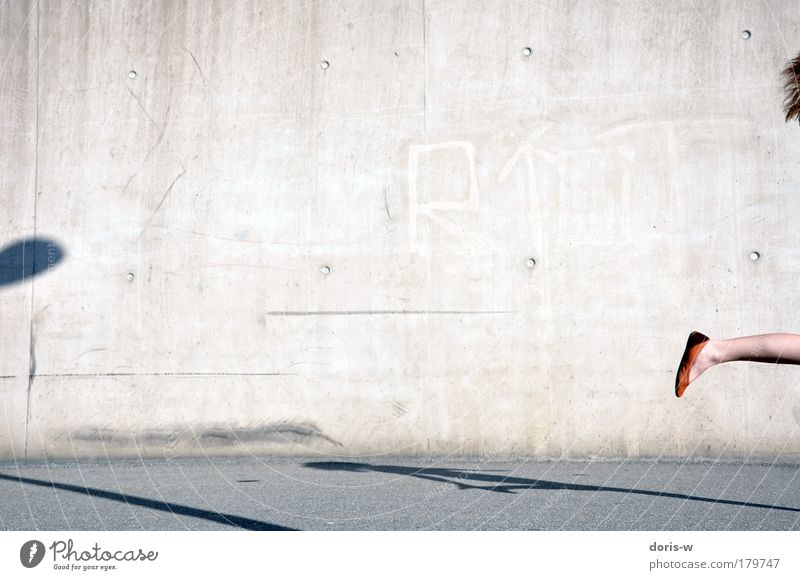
(325,269)
(746,34)
(324,64)
(132,75)
(530,262)
(130,276)
(527,51)
(754,256)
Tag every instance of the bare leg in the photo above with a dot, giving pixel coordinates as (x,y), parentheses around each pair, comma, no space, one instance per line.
(776,348)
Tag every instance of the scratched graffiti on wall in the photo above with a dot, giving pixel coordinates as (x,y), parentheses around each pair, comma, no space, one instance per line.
(605,182)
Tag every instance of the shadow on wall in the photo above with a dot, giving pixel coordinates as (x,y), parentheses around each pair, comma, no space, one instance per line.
(28,258)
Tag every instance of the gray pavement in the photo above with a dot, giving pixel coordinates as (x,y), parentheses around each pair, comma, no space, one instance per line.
(398,493)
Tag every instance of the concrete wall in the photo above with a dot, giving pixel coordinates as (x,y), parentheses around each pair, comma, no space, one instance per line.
(199,167)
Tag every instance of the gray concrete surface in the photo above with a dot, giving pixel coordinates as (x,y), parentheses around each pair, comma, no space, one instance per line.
(398,493)
(197,167)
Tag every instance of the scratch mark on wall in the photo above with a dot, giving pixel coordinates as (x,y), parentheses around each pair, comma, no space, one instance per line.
(386,203)
(716,223)
(141,106)
(163,198)
(89,351)
(210,236)
(16,39)
(130,180)
(203,78)
(160,136)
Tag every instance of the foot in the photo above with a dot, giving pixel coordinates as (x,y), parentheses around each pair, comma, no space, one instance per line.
(692,364)
(704,360)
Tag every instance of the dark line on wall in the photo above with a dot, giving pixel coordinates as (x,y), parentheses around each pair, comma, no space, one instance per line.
(55,375)
(31,359)
(380,312)
(32,362)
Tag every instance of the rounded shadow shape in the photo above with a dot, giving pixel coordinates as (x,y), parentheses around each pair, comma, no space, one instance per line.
(27,258)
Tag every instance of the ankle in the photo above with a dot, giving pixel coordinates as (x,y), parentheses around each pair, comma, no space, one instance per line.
(712,353)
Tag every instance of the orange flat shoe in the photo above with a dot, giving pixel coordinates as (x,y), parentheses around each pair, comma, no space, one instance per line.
(694,345)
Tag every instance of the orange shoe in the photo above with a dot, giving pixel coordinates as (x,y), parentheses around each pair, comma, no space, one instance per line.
(694,345)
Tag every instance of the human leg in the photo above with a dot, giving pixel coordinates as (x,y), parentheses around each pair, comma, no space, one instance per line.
(777,347)
(700,355)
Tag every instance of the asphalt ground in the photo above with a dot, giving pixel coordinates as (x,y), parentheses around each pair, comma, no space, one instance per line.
(398,493)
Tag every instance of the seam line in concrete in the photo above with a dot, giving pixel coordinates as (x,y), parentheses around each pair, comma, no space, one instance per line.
(380,312)
(33,258)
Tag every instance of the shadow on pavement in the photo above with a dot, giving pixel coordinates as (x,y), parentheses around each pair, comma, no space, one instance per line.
(505,484)
(177,509)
